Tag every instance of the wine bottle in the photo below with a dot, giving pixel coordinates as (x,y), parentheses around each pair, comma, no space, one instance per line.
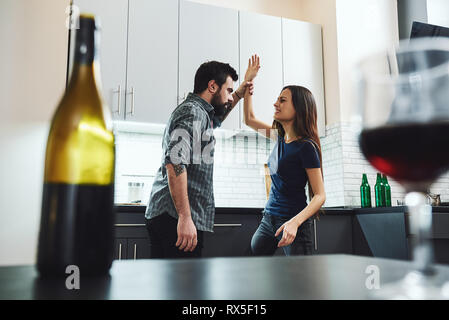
(387,191)
(77,203)
(379,190)
(365,193)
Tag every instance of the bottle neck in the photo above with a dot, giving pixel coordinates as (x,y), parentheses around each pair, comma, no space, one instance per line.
(84,63)
(379,179)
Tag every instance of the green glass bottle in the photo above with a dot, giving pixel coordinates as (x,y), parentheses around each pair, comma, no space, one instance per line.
(379,190)
(387,191)
(365,193)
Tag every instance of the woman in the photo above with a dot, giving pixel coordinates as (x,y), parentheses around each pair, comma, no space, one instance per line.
(295,160)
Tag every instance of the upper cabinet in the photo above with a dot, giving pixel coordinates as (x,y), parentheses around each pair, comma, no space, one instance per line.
(152,72)
(303,61)
(112,52)
(207,33)
(151,49)
(138,56)
(262,35)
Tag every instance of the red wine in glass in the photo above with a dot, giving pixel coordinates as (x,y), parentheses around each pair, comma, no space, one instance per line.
(413,154)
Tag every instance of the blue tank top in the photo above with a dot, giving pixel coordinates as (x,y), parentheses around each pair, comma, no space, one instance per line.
(287,164)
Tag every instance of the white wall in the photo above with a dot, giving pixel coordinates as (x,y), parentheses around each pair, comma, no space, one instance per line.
(438,12)
(33,64)
(364,28)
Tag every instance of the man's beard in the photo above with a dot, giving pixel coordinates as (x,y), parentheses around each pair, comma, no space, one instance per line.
(220,108)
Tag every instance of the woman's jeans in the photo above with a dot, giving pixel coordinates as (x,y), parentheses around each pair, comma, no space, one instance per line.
(264,243)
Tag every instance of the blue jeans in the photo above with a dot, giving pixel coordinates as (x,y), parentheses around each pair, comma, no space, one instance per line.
(264,243)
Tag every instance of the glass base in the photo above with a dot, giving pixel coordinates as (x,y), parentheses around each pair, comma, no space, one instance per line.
(414,286)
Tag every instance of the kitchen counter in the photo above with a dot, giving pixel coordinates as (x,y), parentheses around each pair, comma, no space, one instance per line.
(254,278)
(326,210)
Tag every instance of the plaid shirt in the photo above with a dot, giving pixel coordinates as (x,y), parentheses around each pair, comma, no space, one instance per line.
(188,141)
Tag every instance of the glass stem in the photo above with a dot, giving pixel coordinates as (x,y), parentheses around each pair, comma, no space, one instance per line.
(421,229)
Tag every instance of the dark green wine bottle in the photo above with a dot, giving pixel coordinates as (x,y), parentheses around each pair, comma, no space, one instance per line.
(387,191)
(78,194)
(379,190)
(365,193)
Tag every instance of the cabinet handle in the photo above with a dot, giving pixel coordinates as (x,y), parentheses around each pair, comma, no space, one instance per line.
(135,251)
(227,225)
(120,251)
(129,225)
(132,93)
(314,234)
(119,99)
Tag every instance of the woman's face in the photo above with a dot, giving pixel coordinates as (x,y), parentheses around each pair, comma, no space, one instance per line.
(283,107)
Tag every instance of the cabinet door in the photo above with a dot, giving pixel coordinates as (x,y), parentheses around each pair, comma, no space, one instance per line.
(120,248)
(207,33)
(261,35)
(152,60)
(303,61)
(139,248)
(113,18)
(232,235)
(333,234)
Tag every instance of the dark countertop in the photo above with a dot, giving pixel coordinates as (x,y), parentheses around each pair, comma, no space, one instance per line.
(253,278)
(326,210)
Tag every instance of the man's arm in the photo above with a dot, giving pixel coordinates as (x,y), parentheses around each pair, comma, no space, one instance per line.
(177,182)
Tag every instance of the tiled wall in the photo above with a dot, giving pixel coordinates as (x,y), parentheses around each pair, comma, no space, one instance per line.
(343,159)
(238,171)
(238,166)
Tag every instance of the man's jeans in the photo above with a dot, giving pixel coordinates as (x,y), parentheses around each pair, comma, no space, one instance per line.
(264,243)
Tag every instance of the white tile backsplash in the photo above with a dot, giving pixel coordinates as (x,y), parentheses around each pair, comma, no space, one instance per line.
(239,173)
(238,167)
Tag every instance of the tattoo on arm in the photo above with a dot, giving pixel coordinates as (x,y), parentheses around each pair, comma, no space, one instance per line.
(178,169)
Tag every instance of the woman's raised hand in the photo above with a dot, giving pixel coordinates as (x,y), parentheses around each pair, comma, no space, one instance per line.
(253,68)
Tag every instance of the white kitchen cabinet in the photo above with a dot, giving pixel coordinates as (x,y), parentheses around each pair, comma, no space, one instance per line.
(262,35)
(151,49)
(303,61)
(113,18)
(151,89)
(207,33)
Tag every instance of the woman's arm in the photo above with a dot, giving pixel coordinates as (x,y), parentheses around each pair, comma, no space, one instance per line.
(248,112)
(319,197)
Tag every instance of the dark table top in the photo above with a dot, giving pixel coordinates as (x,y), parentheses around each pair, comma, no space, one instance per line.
(252,278)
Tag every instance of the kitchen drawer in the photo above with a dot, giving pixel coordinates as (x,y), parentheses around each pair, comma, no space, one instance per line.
(232,235)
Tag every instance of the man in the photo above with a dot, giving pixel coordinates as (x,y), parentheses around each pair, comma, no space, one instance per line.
(181,205)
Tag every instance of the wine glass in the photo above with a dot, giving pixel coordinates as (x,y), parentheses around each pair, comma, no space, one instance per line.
(403,109)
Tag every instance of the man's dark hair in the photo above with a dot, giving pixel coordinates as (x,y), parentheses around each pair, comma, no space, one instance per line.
(213,70)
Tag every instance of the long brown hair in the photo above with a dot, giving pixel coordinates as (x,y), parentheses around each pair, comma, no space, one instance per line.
(305,123)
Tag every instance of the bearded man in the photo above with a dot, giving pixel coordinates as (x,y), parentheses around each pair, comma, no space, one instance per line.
(181,205)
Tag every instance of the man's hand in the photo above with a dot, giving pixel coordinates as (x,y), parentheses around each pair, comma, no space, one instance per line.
(253,68)
(187,236)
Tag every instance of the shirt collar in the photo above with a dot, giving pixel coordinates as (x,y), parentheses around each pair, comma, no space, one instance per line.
(203,103)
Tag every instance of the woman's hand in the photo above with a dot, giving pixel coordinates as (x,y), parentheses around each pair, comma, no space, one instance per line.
(290,229)
(242,88)
(253,68)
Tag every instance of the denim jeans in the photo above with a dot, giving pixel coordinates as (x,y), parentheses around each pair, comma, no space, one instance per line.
(264,243)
